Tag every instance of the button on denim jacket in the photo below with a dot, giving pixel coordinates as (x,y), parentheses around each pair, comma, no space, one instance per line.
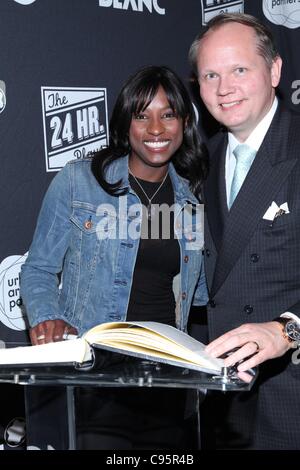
(92,238)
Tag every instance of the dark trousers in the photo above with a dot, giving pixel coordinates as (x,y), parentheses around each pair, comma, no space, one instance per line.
(133,418)
(227,420)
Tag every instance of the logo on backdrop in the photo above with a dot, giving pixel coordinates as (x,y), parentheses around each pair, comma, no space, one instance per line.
(2,96)
(15,432)
(75,123)
(10,302)
(25,2)
(135,5)
(283,12)
(211,8)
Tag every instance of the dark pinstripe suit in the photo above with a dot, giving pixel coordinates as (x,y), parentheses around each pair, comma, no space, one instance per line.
(253,273)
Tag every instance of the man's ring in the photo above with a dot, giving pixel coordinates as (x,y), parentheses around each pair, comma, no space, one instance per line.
(257,346)
(40,337)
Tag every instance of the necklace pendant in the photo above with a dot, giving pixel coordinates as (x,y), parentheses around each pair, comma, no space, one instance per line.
(150,211)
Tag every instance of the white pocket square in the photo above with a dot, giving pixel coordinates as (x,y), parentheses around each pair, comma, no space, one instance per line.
(275,211)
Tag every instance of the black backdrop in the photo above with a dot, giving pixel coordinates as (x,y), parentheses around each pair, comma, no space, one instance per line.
(62,63)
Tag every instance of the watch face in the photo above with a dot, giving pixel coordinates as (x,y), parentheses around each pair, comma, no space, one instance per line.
(292,329)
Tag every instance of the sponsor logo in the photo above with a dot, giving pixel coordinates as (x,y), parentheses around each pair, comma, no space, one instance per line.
(75,123)
(211,8)
(25,2)
(10,302)
(283,12)
(15,432)
(135,5)
(2,96)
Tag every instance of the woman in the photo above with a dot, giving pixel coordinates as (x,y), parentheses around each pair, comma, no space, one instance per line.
(104,226)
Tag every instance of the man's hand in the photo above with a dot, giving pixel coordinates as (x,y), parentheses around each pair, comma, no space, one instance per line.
(50,331)
(261,341)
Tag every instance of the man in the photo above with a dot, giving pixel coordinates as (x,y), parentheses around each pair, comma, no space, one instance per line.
(252,198)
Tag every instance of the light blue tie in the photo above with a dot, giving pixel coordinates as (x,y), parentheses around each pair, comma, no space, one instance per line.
(244,157)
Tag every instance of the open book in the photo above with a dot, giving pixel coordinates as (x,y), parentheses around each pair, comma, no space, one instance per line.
(148,340)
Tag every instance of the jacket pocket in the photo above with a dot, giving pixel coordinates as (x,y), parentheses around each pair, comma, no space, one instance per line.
(98,222)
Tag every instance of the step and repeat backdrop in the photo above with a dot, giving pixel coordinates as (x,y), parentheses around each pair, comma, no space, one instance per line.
(62,63)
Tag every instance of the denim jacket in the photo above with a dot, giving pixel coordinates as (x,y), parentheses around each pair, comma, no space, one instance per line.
(81,262)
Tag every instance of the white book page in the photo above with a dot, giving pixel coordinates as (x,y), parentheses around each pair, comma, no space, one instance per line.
(75,350)
(154,335)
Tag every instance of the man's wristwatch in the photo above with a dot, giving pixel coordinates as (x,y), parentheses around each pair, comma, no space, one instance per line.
(290,330)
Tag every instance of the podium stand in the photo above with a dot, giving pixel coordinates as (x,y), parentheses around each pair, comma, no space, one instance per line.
(129,372)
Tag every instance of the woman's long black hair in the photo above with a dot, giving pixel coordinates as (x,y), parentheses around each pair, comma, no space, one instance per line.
(190,160)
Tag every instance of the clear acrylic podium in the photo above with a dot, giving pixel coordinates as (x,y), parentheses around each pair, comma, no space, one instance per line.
(129,372)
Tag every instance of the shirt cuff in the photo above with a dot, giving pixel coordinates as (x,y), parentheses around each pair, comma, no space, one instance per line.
(292,316)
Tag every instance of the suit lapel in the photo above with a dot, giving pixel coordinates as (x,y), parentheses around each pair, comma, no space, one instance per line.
(215,193)
(272,165)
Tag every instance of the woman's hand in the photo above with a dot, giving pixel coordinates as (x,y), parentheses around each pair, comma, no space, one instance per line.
(50,331)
